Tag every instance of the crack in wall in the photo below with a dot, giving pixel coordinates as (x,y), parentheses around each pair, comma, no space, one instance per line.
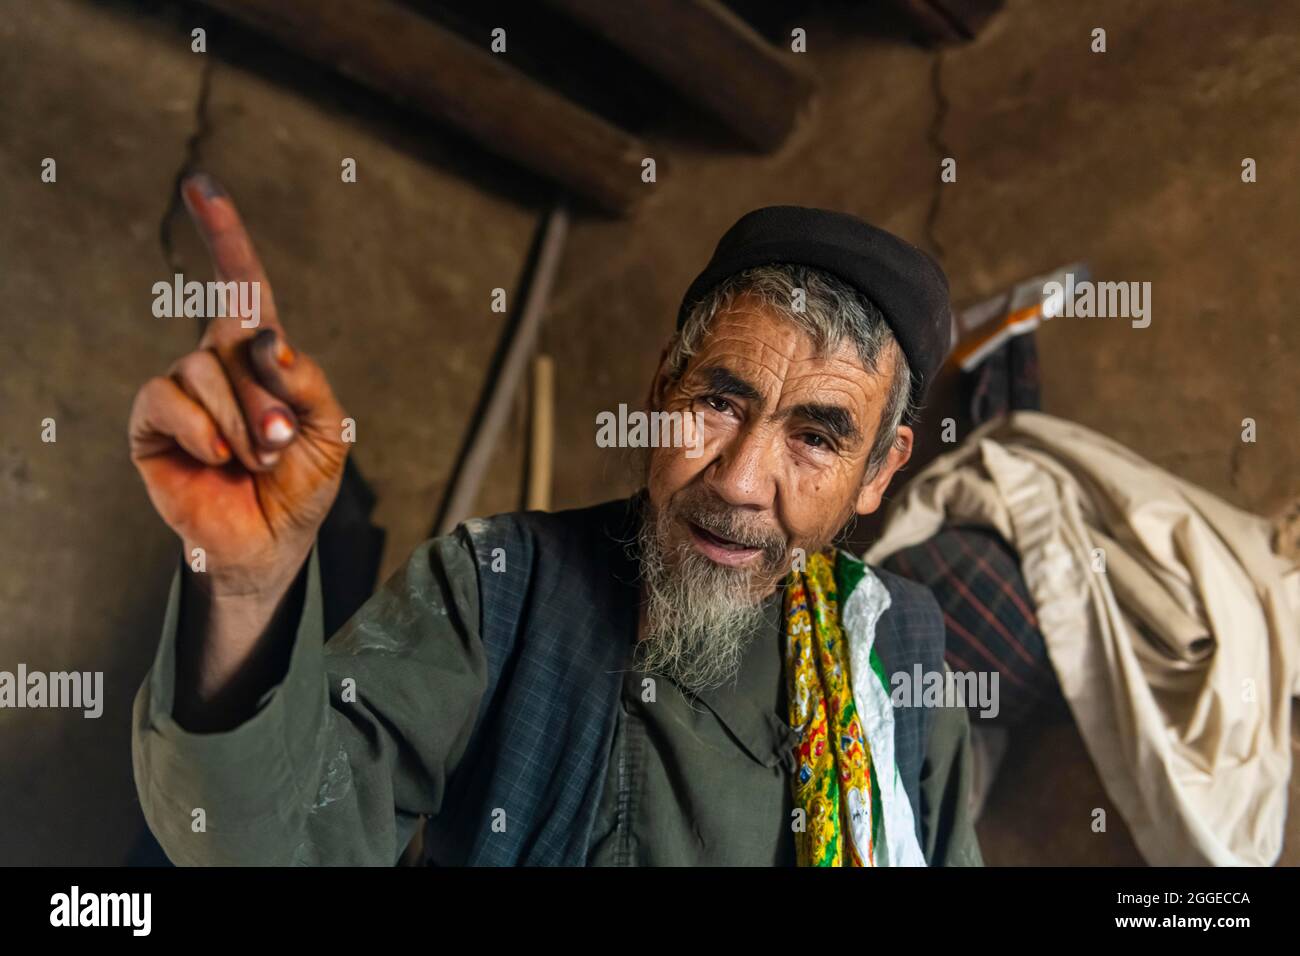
(934,136)
(189,162)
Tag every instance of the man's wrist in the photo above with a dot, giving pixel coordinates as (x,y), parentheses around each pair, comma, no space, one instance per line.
(232,646)
(250,583)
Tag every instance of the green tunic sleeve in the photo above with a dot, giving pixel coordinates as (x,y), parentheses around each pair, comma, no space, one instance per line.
(946,824)
(341,758)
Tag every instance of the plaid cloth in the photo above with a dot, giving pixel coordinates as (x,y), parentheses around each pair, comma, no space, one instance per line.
(987,612)
(911,631)
(1005,381)
(558,623)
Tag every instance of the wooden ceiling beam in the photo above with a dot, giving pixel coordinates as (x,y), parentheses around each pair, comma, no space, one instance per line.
(394,50)
(708,55)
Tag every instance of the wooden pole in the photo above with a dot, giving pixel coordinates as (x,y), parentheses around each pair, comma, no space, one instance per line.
(469,477)
(542,441)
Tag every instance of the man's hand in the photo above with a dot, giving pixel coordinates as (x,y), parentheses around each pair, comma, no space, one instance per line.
(239,445)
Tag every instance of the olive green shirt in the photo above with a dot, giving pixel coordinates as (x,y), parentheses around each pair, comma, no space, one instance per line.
(362,733)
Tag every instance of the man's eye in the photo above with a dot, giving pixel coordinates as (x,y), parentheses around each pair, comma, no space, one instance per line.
(813,440)
(717,403)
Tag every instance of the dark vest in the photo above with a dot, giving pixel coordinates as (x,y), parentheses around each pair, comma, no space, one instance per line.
(558,625)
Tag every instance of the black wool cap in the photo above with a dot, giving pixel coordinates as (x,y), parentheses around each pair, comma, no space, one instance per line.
(904,283)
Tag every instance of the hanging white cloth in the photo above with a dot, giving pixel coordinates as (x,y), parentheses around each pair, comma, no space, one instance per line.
(1171,624)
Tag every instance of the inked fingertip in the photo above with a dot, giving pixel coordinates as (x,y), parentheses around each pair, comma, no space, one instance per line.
(272,347)
(204,185)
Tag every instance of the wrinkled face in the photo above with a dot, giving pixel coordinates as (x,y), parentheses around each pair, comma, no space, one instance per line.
(785,439)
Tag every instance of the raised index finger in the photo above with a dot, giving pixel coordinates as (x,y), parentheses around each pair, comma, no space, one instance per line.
(233,258)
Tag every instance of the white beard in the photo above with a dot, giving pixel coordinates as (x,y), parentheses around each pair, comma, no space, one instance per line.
(699,615)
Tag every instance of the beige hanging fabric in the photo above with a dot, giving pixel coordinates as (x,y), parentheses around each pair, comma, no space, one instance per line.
(1170,622)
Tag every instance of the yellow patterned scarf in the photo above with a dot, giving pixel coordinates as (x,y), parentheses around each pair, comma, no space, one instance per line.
(834,778)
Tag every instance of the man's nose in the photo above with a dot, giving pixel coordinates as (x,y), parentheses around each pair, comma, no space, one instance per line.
(742,475)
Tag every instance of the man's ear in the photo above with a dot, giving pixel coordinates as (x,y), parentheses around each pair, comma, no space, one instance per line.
(658,385)
(873,491)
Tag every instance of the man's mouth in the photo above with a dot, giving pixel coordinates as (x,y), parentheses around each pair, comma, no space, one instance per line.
(722,550)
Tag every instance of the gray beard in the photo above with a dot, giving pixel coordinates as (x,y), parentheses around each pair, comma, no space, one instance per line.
(699,616)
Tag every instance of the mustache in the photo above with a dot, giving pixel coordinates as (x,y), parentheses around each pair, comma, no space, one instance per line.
(719,518)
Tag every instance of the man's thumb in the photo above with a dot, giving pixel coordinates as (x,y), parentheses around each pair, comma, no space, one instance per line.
(291,376)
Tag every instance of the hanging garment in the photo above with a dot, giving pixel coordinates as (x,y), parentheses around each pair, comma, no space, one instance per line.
(1170,622)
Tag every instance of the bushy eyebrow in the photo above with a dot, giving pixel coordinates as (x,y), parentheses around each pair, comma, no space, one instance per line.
(721,380)
(836,419)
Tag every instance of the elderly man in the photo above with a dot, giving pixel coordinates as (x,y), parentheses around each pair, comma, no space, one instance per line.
(692,676)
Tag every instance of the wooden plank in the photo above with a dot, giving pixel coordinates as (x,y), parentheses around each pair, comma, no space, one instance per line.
(387,46)
(710,56)
(947,21)
(971,15)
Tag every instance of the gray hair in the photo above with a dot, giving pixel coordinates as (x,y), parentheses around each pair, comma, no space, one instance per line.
(833,312)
